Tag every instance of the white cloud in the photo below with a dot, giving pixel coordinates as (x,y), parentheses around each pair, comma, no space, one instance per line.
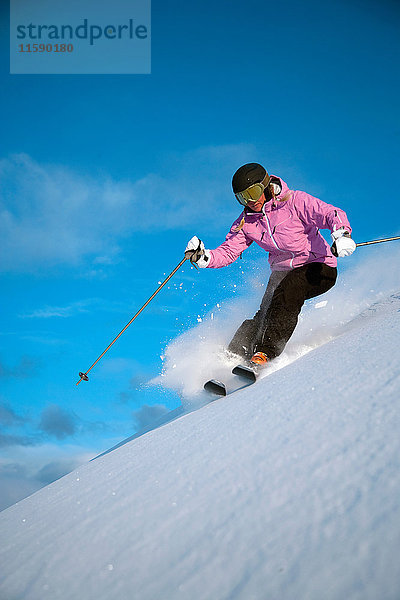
(76,308)
(60,311)
(50,215)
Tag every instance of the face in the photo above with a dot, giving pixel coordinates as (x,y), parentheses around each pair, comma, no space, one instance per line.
(258,204)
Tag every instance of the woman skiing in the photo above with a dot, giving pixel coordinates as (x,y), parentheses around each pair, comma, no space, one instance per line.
(286,224)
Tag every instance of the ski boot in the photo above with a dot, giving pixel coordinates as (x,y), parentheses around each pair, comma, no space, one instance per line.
(259,359)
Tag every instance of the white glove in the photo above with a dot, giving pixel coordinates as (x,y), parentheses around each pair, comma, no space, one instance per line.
(198,255)
(342,245)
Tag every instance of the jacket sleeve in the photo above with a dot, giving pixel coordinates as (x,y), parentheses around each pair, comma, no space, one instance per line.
(323,215)
(235,243)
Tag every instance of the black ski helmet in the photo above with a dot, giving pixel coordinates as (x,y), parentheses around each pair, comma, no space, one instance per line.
(248,175)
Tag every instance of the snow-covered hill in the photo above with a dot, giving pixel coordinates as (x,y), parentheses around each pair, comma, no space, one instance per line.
(286,490)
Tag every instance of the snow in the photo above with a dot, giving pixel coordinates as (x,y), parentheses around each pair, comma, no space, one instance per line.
(287,489)
(190,358)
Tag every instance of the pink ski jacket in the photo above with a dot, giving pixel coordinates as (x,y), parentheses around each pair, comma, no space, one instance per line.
(288,230)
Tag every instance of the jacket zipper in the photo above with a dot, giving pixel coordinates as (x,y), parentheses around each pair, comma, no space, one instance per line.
(274,242)
(338,216)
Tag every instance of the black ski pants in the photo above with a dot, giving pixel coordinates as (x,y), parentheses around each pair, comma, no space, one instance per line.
(273,324)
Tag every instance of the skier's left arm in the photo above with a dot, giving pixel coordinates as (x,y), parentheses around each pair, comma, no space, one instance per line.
(327,216)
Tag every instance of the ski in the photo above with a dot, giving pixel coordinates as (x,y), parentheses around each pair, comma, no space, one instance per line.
(215,387)
(218,388)
(246,373)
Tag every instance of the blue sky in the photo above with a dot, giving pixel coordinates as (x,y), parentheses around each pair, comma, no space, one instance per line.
(103,179)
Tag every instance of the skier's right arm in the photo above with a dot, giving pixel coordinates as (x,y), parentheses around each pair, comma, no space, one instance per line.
(235,243)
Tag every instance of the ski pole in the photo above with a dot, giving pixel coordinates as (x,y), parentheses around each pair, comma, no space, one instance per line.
(84,376)
(378,241)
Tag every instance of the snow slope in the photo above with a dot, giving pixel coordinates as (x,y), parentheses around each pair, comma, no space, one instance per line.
(286,490)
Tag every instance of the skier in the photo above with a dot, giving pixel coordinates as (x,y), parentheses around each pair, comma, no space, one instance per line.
(286,224)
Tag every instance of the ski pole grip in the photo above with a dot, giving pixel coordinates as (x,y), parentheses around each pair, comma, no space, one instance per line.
(195,254)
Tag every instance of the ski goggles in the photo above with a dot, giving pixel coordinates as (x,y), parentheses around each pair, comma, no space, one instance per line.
(253,192)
